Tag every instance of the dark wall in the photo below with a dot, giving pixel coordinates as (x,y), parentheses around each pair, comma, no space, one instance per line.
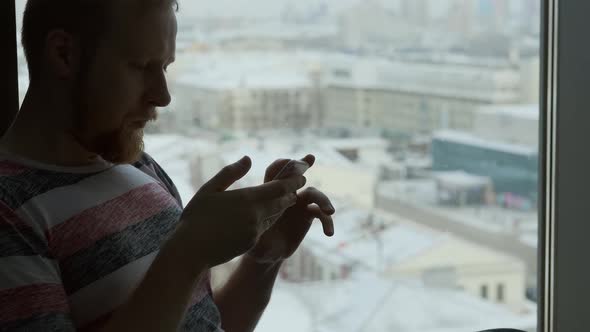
(8,65)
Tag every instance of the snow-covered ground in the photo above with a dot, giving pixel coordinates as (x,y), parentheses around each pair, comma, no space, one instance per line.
(365,302)
(369,303)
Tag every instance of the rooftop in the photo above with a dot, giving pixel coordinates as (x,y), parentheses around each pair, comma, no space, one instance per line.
(528,112)
(282,69)
(369,303)
(472,140)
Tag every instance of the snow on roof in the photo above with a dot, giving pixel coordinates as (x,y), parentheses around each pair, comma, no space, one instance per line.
(264,151)
(445,79)
(221,71)
(356,242)
(354,143)
(257,9)
(461,178)
(396,244)
(528,112)
(257,79)
(277,30)
(369,303)
(280,69)
(471,140)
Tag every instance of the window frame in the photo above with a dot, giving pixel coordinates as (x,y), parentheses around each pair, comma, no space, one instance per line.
(8,64)
(563,280)
(562,167)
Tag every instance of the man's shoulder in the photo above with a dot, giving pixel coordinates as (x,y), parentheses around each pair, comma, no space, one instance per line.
(19,182)
(147,164)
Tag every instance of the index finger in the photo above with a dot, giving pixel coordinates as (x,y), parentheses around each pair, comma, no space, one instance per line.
(278,188)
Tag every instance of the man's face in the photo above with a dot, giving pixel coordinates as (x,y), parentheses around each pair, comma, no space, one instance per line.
(125,82)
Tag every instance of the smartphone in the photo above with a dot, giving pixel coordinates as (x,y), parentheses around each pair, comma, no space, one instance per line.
(293,168)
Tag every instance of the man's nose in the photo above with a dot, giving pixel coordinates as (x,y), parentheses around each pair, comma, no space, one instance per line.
(159,95)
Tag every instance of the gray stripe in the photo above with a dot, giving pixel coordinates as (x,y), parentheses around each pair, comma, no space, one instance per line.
(21,241)
(17,190)
(117,250)
(203,316)
(52,322)
(27,270)
(54,207)
(108,293)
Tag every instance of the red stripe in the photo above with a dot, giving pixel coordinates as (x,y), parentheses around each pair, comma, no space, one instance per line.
(23,302)
(94,224)
(10,169)
(9,218)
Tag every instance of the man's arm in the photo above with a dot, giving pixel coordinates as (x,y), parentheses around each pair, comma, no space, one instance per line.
(243,299)
(159,304)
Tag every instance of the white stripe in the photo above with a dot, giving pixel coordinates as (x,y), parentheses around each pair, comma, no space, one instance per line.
(57,206)
(108,293)
(19,271)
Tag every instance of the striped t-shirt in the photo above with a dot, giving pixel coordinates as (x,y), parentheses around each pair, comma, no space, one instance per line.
(75,242)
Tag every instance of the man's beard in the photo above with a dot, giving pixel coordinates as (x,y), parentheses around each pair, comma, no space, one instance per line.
(123,145)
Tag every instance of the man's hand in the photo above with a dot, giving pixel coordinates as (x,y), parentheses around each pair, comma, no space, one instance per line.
(218,225)
(281,240)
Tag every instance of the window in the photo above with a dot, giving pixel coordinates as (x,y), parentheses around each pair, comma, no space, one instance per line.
(500,293)
(483,290)
(452,88)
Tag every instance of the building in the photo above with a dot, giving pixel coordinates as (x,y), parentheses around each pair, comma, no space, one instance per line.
(250,91)
(453,263)
(367,240)
(393,248)
(512,168)
(246,92)
(457,188)
(513,124)
(413,97)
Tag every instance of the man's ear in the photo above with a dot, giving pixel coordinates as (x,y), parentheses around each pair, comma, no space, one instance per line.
(62,54)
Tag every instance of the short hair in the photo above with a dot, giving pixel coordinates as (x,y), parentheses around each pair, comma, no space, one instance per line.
(86,19)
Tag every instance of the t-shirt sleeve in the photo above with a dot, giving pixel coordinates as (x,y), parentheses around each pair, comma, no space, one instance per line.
(32,296)
(148,163)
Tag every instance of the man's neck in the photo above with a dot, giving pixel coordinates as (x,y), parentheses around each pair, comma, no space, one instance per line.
(37,136)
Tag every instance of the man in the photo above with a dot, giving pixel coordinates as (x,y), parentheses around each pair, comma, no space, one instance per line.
(92,231)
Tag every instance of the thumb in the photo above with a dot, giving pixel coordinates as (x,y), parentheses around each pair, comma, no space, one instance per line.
(227,176)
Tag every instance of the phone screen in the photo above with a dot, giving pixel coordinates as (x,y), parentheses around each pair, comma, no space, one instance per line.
(293,168)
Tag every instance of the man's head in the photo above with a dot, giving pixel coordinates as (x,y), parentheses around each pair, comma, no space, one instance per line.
(106,60)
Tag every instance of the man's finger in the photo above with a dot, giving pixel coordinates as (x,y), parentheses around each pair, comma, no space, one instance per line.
(313,196)
(274,169)
(327,221)
(278,188)
(227,176)
(309,159)
(273,210)
(278,206)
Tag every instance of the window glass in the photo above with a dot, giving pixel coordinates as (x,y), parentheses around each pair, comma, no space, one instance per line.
(423,116)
